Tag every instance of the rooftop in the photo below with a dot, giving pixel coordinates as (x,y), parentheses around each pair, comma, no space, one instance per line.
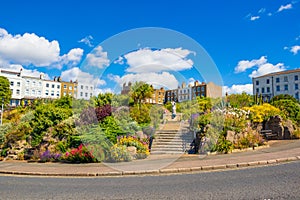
(280,73)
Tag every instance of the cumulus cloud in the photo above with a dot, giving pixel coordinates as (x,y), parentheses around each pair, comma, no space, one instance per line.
(164,79)
(148,60)
(262,67)
(285,7)
(238,89)
(295,49)
(72,58)
(82,77)
(243,65)
(28,49)
(98,58)
(87,40)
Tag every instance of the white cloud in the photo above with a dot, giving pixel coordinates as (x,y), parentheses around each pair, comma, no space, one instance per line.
(286,7)
(72,58)
(295,49)
(98,58)
(262,10)
(82,77)
(253,18)
(87,40)
(168,59)
(243,65)
(164,79)
(238,89)
(30,49)
(262,67)
(267,68)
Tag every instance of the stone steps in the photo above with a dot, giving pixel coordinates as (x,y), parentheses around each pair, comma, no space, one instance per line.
(172,138)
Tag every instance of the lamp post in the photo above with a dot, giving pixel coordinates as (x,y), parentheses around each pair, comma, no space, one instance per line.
(2,110)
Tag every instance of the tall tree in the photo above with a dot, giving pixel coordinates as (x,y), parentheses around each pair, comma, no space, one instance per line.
(240,100)
(140,91)
(5,92)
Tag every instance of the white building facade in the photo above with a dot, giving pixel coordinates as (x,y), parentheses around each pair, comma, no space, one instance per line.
(184,93)
(51,89)
(85,91)
(273,84)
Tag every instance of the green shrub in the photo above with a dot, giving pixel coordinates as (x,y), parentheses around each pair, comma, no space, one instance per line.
(119,153)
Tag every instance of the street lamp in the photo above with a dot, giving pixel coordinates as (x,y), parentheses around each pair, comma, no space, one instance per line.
(2,110)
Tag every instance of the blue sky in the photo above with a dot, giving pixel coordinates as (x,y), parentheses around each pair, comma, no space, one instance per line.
(243,38)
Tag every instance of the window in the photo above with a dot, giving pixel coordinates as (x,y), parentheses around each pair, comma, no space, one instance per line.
(58,86)
(285,79)
(81,87)
(47,92)
(47,85)
(277,80)
(203,89)
(86,87)
(86,94)
(53,86)
(75,87)
(262,90)
(40,84)
(256,82)
(257,90)
(296,77)
(268,89)
(18,84)
(91,94)
(70,87)
(27,83)
(57,94)
(277,88)
(39,92)
(65,93)
(286,87)
(268,81)
(65,86)
(52,93)
(11,83)
(81,94)
(18,92)
(296,86)
(297,95)
(32,92)
(33,83)
(70,93)
(91,87)
(12,91)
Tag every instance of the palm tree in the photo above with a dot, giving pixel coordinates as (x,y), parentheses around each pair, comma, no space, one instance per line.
(140,91)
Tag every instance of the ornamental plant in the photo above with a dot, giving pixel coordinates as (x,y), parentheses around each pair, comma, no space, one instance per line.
(119,153)
(79,155)
(141,146)
(48,156)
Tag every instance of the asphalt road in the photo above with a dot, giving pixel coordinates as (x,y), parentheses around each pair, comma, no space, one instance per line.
(271,182)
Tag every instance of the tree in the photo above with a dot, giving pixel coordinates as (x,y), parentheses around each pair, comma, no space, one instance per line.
(103,99)
(5,92)
(140,91)
(240,100)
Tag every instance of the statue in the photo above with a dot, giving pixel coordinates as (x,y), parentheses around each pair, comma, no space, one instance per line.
(173,109)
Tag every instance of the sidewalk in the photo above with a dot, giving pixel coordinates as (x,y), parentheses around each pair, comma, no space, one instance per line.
(277,152)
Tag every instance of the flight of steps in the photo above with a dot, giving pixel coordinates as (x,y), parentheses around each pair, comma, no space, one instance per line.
(173,138)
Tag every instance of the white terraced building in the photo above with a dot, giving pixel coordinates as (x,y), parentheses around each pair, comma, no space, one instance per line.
(27,88)
(273,84)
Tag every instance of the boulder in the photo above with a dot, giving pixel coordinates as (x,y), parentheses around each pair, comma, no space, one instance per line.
(288,129)
(275,124)
(132,151)
(230,136)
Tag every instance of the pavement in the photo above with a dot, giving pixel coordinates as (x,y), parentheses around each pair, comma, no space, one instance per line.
(275,152)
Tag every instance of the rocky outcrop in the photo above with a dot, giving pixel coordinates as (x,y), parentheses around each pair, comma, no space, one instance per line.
(282,129)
